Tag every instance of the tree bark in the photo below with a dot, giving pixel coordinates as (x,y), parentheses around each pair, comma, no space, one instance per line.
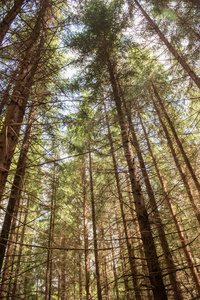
(114,269)
(94,230)
(14,296)
(9,18)
(178,57)
(87,262)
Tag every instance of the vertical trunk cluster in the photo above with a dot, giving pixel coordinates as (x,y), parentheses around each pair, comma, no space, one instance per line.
(155,273)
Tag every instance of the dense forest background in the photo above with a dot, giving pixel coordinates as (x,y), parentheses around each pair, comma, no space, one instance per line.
(99,149)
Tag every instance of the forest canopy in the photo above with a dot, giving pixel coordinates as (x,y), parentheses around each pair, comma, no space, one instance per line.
(99,149)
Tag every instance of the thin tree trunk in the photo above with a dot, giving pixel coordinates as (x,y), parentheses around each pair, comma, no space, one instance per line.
(155,273)
(183,240)
(9,18)
(114,269)
(50,241)
(14,254)
(8,258)
(94,230)
(155,212)
(178,57)
(87,262)
(122,260)
(16,187)
(63,271)
(80,270)
(123,214)
(19,255)
(104,266)
(186,160)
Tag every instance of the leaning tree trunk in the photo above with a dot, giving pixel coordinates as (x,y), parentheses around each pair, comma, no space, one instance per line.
(186,160)
(155,273)
(9,18)
(94,230)
(180,231)
(16,189)
(178,165)
(178,57)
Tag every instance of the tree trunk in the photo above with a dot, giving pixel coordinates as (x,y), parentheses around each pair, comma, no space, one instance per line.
(16,187)
(178,57)
(94,230)
(14,296)
(122,260)
(8,258)
(155,273)
(9,18)
(63,271)
(123,214)
(114,269)
(104,266)
(141,248)
(50,240)
(87,262)
(5,98)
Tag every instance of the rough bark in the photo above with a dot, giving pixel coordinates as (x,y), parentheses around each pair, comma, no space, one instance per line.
(9,18)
